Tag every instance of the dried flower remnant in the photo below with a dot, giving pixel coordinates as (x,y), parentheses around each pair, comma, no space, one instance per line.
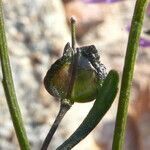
(90,71)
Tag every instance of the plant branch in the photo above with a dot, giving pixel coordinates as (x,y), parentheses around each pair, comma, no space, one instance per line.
(64,107)
(127,77)
(9,88)
(65,103)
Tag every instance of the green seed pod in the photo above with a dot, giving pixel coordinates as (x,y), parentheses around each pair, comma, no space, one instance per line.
(86,82)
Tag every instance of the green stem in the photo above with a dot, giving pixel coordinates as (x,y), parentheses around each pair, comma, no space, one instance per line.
(65,103)
(75,57)
(64,107)
(127,77)
(9,88)
(73,33)
(105,98)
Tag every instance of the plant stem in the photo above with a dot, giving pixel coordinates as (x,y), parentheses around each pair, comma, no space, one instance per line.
(128,69)
(105,98)
(73,33)
(64,107)
(75,58)
(9,88)
(65,103)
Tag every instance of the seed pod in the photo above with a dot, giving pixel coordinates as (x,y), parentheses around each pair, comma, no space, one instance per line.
(86,83)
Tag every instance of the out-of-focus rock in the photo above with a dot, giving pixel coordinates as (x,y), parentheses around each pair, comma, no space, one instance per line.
(87,16)
(140,110)
(37,25)
(138,122)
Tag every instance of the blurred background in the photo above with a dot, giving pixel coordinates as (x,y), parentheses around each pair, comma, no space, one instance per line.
(37,31)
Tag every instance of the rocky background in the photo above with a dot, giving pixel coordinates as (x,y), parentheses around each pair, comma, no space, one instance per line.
(37,31)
